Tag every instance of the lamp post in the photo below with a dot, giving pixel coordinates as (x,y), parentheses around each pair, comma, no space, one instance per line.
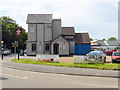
(2,42)
(2,48)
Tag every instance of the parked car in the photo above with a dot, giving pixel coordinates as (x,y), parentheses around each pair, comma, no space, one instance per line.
(118,50)
(114,50)
(21,53)
(108,52)
(25,51)
(116,57)
(6,52)
(96,55)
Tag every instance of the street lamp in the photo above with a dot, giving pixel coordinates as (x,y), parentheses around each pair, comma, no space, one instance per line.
(2,48)
(1,28)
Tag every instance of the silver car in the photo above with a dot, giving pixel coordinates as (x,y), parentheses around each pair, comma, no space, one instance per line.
(6,52)
(96,56)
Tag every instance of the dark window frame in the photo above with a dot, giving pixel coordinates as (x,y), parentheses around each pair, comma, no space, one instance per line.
(33,47)
(47,47)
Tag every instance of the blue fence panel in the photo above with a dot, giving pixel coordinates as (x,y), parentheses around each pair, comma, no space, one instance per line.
(82,49)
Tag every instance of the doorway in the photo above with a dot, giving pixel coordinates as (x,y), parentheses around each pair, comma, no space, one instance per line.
(55,48)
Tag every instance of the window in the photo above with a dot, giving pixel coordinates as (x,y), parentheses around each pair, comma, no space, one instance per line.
(69,37)
(47,47)
(33,47)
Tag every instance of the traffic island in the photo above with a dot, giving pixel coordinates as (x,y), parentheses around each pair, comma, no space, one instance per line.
(106,66)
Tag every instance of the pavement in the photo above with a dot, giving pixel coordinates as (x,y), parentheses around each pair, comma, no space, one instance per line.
(58,70)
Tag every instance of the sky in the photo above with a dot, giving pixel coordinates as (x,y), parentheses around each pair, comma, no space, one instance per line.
(97,17)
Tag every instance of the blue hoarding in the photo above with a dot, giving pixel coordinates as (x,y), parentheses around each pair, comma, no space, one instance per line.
(82,49)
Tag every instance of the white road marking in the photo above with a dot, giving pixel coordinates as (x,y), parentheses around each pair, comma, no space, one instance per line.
(91,84)
(14,76)
(24,77)
(26,71)
(98,74)
(2,60)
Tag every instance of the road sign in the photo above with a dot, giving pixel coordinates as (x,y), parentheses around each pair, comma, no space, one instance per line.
(18,32)
(14,44)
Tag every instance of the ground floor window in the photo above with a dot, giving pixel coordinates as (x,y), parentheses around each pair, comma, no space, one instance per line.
(33,47)
(47,47)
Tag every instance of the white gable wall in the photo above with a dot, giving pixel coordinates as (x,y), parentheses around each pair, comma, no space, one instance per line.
(72,44)
(48,32)
(63,46)
(29,49)
(39,18)
(40,38)
(31,32)
(56,28)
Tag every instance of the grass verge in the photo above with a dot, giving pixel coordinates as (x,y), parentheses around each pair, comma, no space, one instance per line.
(106,66)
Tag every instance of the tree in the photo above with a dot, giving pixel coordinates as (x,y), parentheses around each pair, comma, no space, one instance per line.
(112,39)
(91,39)
(103,39)
(117,47)
(9,27)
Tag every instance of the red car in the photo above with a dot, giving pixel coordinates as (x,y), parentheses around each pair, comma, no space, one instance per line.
(116,57)
(108,52)
(114,50)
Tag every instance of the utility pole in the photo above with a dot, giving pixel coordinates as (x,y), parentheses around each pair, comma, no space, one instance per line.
(1,42)
(18,48)
(2,49)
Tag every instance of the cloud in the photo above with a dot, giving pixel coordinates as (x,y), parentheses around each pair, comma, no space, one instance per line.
(85,15)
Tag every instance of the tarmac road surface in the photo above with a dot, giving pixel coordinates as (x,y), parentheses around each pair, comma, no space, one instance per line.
(13,78)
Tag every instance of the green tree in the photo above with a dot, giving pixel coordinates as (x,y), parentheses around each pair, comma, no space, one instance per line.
(91,39)
(103,39)
(9,27)
(117,47)
(112,38)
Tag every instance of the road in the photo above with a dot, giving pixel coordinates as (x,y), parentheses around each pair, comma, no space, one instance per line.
(13,78)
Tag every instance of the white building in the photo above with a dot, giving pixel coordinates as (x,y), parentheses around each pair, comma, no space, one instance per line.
(46,36)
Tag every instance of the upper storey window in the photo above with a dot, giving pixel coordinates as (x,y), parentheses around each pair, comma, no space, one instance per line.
(69,37)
